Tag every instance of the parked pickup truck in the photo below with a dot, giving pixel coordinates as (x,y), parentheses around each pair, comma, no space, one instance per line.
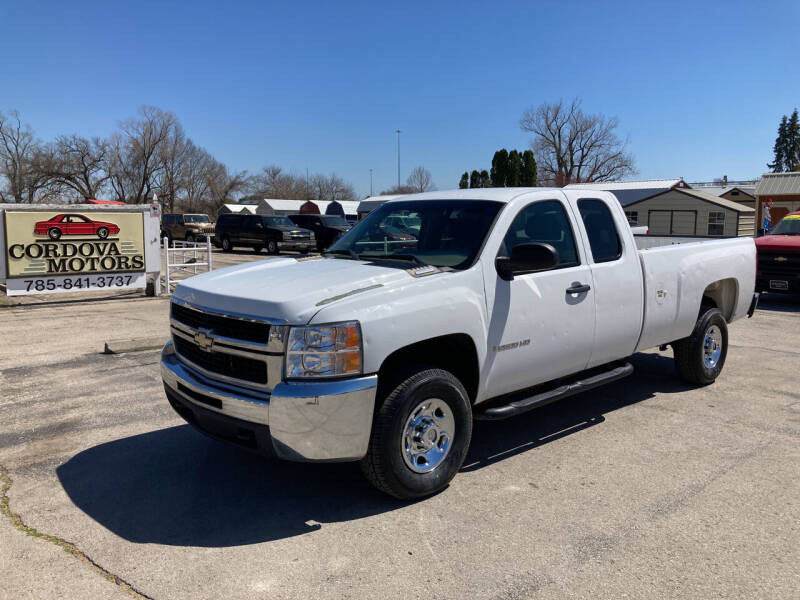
(384,349)
(779,257)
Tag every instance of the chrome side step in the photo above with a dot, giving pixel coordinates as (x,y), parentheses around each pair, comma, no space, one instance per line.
(522,402)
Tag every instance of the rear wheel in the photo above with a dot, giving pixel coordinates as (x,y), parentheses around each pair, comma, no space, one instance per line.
(226,244)
(420,435)
(700,357)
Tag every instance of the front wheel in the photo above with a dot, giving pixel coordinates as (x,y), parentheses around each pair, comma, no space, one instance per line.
(226,244)
(700,357)
(102,233)
(54,233)
(272,247)
(420,435)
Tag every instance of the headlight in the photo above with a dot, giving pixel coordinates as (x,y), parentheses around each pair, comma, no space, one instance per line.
(287,235)
(324,351)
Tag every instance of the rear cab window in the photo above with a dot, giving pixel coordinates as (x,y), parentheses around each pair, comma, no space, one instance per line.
(598,221)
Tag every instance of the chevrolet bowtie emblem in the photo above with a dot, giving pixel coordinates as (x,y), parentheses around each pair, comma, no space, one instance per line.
(204,341)
(781,259)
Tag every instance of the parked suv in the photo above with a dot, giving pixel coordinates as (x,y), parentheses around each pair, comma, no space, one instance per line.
(327,228)
(262,231)
(189,227)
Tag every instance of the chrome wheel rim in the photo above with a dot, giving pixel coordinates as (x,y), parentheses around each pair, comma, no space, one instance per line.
(712,346)
(428,435)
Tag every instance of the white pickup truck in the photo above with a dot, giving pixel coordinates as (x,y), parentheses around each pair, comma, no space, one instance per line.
(435,310)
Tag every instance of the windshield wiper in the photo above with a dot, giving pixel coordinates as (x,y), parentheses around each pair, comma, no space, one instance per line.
(342,252)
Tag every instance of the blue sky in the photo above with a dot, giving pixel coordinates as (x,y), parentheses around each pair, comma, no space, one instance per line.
(698,87)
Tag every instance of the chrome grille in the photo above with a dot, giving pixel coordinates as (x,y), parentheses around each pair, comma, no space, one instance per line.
(232,349)
(778,263)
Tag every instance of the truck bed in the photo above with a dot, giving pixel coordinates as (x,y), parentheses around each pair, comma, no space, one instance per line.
(677,276)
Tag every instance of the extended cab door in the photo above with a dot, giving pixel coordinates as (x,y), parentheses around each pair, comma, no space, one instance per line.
(617,273)
(540,326)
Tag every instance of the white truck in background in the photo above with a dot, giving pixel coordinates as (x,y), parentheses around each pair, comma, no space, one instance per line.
(481,304)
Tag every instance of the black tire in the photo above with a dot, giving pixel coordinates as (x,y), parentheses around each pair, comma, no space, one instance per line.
(694,355)
(226,244)
(102,232)
(257,249)
(54,233)
(272,247)
(385,462)
(190,237)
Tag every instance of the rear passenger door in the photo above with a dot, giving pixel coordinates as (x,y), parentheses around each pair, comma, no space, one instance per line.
(617,276)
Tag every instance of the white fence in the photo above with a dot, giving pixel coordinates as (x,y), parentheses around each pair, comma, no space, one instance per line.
(184,258)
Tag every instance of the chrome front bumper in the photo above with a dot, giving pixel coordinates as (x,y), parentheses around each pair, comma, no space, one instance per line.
(324,421)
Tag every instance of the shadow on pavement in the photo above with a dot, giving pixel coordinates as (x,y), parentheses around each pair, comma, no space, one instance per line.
(779,302)
(493,441)
(176,487)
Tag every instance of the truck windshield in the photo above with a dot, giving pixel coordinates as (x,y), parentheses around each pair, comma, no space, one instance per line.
(278,222)
(196,219)
(442,233)
(790,225)
(334,221)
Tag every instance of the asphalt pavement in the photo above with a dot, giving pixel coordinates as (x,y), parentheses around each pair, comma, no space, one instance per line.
(645,488)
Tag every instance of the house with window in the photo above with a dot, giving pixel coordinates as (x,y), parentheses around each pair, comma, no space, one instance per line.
(628,192)
(691,212)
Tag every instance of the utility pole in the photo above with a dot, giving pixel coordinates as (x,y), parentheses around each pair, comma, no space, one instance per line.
(370,182)
(398,157)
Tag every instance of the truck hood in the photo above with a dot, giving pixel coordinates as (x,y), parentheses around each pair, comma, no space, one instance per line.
(287,289)
(779,243)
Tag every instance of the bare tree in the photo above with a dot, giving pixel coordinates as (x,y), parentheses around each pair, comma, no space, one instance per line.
(399,189)
(222,184)
(273,182)
(139,150)
(331,187)
(169,180)
(571,146)
(420,180)
(18,150)
(74,165)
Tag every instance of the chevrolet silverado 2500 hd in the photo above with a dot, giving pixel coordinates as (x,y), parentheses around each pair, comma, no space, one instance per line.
(384,349)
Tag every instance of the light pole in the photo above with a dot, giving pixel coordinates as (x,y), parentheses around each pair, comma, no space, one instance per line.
(370,182)
(398,132)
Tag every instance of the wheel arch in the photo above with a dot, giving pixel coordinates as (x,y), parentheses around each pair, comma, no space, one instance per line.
(456,353)
(721,294)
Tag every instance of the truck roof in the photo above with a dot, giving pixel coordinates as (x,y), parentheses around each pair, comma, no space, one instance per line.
(496,194)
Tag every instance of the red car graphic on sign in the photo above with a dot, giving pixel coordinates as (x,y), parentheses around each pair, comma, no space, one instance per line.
(74,224)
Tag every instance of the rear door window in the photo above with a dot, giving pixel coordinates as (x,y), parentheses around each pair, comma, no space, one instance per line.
(603,237)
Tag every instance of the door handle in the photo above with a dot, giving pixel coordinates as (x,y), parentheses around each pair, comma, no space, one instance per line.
(579,288)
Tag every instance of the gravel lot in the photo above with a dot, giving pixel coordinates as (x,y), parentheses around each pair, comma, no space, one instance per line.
(644,488)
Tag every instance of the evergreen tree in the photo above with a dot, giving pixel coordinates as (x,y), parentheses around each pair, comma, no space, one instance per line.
(464,181)
(792,147)
(474,179)
(499,171)
(485,180)
(528,169)
(514,175)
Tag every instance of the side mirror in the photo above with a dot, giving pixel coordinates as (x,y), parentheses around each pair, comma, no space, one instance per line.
(526,258)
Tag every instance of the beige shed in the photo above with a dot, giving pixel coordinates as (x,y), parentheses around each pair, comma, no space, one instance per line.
(691,212)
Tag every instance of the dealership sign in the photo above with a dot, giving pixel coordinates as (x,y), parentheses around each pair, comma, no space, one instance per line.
(72,251)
